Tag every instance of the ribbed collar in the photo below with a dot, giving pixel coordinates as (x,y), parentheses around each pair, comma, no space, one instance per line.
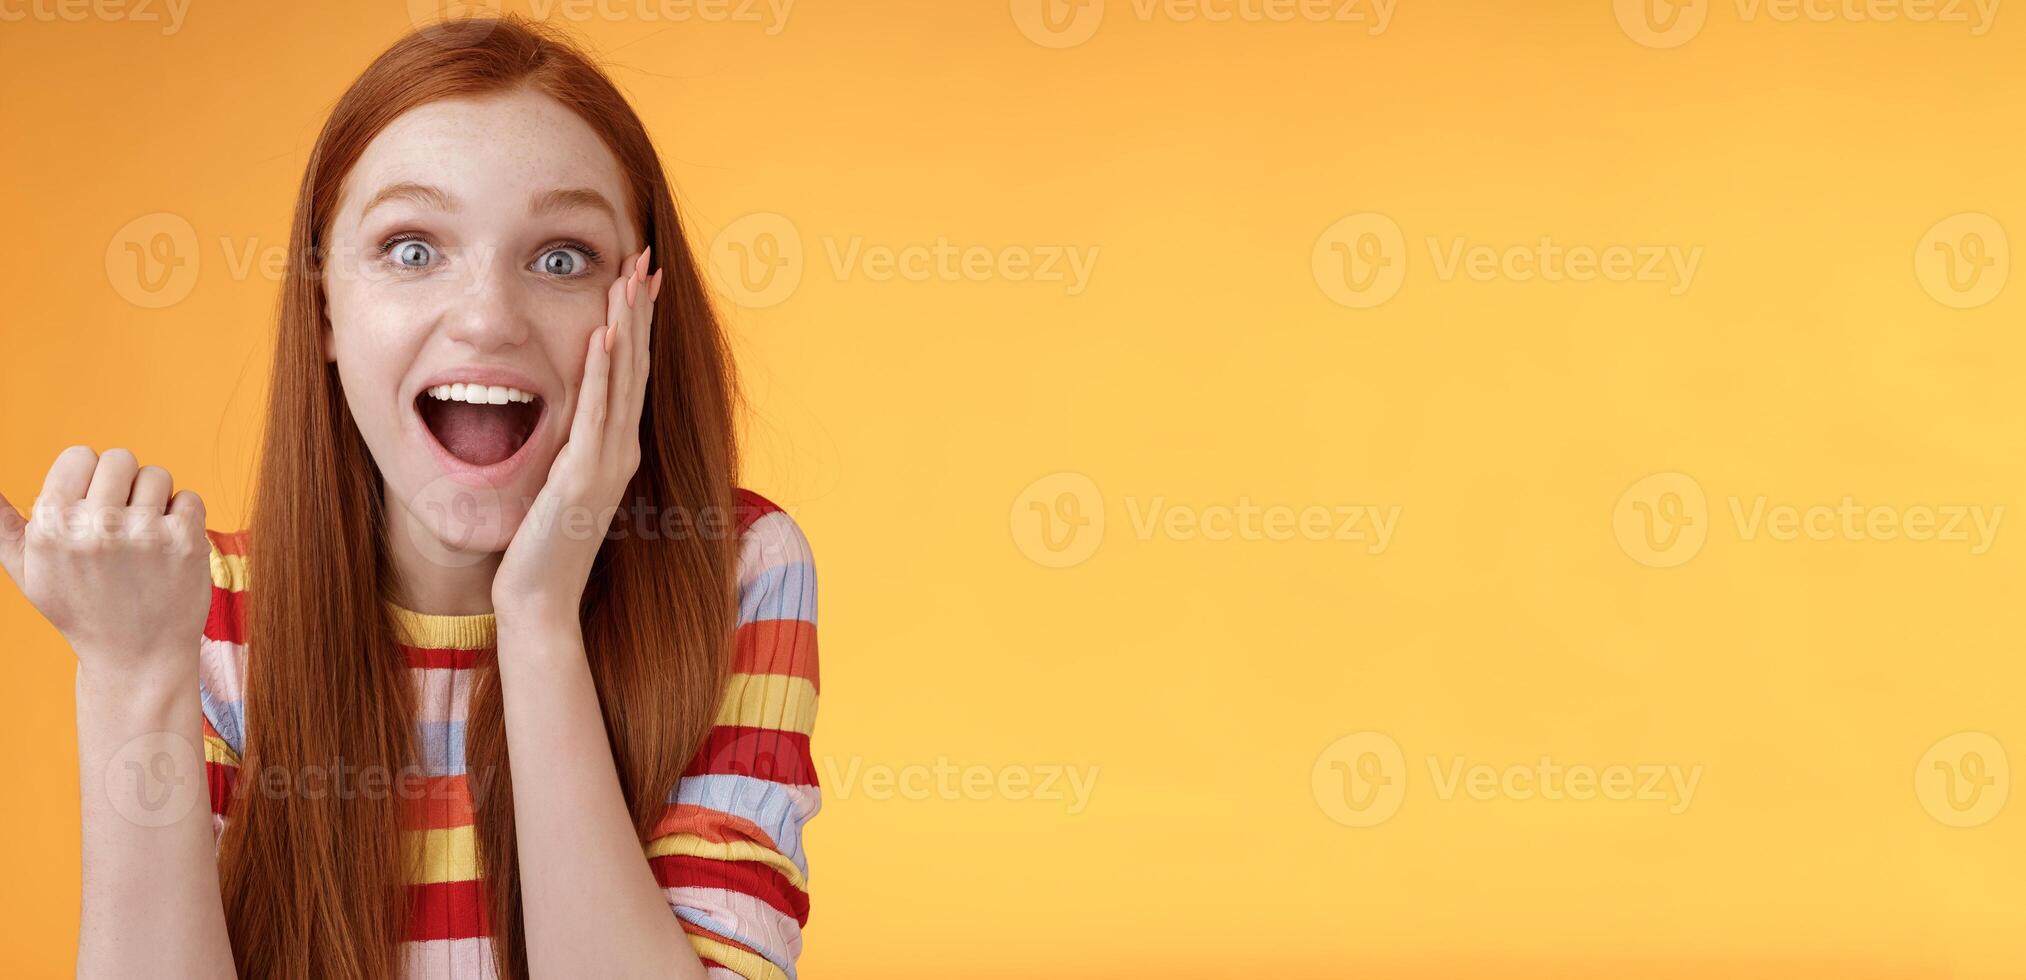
(429,631)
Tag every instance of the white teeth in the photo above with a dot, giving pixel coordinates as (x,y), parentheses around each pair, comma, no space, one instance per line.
(479,394)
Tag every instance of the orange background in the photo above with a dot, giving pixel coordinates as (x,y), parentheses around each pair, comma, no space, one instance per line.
(1515,613)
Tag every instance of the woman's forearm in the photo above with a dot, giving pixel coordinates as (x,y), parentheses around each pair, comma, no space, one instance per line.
(589,902)
(151,904)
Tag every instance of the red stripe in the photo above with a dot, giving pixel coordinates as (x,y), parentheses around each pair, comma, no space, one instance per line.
(447,910)
(745,877)
(777,646)
(219,777)
(433,658)
(748,507)
(434,802)
(229,542)
(761,753)
(226,621)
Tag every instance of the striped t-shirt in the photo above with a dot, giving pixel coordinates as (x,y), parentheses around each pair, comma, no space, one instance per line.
(728,848)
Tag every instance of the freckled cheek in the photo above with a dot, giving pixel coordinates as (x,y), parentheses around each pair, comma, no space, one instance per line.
(377,335)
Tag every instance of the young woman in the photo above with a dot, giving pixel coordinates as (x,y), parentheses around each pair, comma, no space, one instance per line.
(505,677)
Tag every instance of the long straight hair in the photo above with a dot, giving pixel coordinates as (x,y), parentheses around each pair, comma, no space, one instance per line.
(317,886)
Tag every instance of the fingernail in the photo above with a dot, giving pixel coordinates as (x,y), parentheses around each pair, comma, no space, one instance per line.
(608,338)
(632,286)
(655,290)
(644,256)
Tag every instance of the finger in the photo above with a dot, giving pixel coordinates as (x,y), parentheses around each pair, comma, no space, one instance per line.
(187,509)
(13,531)
(151,489)
(69,477)
(113,482)
(590,415)
(623,335)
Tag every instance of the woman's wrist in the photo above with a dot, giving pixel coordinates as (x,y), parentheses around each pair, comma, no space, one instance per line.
(137,683)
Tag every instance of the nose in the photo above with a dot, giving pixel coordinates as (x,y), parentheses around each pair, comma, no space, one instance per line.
(489,312)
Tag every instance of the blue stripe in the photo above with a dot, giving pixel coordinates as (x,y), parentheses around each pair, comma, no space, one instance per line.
(781,592)
(442,748)
(229,717)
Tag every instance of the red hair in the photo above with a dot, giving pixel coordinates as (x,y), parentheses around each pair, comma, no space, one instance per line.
(318,885)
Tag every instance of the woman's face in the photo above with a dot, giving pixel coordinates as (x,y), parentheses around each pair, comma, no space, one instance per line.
(467,264)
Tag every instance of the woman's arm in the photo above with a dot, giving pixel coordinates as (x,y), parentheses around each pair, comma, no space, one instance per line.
(588,898)
(119,567)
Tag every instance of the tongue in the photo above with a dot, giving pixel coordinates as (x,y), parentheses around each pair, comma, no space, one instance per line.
(478,434)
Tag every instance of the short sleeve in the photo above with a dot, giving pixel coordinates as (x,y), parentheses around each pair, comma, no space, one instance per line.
(728,849)
(221,672)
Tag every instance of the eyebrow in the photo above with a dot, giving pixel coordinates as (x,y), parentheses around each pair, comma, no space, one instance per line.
(422,194)
(572,198)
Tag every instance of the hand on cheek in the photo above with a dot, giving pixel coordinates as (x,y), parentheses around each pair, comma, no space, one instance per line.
(546,566)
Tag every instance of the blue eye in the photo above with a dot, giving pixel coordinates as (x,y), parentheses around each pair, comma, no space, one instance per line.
(413,254)
(564,261)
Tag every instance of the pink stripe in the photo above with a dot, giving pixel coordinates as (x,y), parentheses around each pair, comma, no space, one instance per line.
(442,693)
(223,667)
(449,959)
(750,919)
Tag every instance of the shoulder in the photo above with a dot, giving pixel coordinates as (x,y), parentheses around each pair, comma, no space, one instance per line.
(221,662)
(777,569)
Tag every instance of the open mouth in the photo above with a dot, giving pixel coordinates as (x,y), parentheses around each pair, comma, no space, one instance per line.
(479,424)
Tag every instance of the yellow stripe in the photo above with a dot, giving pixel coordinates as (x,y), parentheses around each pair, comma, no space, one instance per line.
(215,750)
(769,701)
(446,854)
(690,845)
(433,632)
(749,965)
(228,571)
